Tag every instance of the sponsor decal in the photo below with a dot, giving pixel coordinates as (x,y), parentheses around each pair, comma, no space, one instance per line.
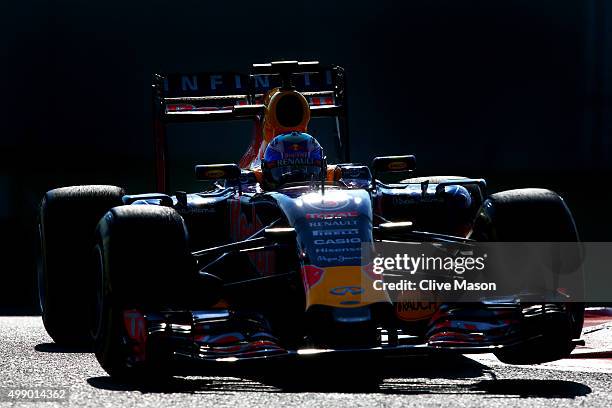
(335,223)
(397,165)
(297,146)
(223,83)
(179,107)
(326,259)
(135,325)
(403,200)
(215,173)
(353,172)
(311,275)
(415,310)
(136,328)
(337,241)
(293,160)
(340,258)
(200,210)
(331,215)
(335,232)
(406,200)
(344,290)
(326,203)
(336,250)
(321,101)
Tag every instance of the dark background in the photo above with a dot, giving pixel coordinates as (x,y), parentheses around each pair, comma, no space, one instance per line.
(515,91)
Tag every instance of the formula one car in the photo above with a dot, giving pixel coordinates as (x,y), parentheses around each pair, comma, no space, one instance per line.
(267,263)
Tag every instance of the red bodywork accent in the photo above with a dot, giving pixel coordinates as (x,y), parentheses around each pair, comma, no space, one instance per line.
(241,229)
(318,101)
(369,271)
(311,275)
(135,326)
(180,107)
(251,154)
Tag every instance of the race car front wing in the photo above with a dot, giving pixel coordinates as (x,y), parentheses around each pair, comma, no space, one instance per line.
(188,338)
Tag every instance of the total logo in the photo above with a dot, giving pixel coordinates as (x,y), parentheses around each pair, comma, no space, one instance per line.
(333,200)
(328,204)
(331,215)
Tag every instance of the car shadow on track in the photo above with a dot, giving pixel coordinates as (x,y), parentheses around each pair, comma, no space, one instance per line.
(409,376)
(55,348)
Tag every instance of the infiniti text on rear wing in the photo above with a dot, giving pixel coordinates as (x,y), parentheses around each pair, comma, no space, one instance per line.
(187,97)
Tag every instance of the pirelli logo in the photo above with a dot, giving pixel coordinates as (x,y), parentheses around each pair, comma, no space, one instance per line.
(335,232)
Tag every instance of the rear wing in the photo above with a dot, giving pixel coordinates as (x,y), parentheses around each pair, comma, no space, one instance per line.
(200,97)
(221,96)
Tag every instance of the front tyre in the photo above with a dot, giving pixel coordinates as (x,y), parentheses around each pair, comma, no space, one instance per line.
(143,265)
(535,215)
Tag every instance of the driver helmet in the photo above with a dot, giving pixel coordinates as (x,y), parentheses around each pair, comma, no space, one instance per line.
(291,157)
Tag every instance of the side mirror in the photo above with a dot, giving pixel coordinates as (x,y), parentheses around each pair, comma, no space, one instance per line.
(353,175)
(217,171)
(352,171)
(392,164)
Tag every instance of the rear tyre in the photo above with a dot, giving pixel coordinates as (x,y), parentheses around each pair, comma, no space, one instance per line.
(534,215)
(143,265)
(68,218)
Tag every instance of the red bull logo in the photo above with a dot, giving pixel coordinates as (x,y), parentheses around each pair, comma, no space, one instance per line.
(311,275)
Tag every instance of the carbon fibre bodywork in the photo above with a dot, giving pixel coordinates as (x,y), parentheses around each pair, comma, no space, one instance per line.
(278,300)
